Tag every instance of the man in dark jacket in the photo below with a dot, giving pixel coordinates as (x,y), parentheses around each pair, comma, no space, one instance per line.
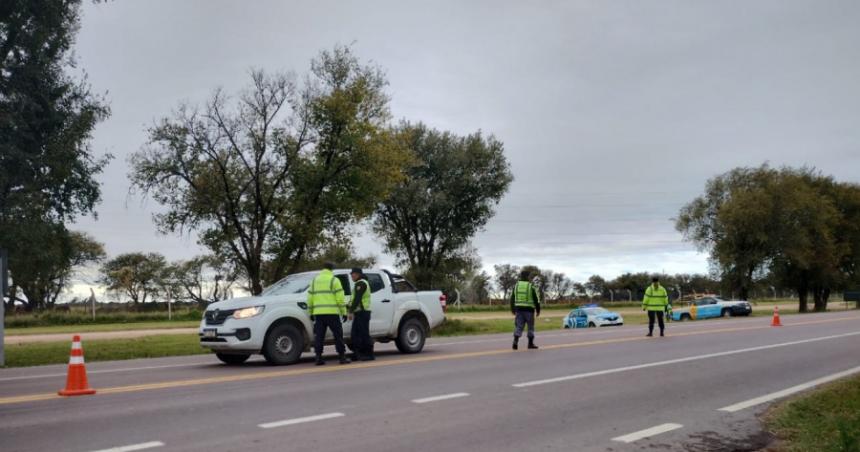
(359,312)
(525,306)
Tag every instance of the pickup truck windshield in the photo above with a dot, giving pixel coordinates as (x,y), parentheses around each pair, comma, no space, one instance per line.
(290,284)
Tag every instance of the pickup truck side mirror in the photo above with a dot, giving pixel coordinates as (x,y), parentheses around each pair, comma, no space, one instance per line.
(303,305)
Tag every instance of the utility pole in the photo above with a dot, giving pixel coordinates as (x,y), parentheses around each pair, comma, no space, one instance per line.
(4,287)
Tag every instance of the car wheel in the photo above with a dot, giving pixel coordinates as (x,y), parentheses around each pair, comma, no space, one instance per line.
(284,345)
(591,325)
(411,337)
(232,359)
(726,313)
(685,317)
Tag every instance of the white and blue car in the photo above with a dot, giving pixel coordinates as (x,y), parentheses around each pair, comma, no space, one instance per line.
(591,316)
(711,307)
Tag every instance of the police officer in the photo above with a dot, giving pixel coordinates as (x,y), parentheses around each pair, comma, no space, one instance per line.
(327,309)
(656,302)
(525,305)
(359,312)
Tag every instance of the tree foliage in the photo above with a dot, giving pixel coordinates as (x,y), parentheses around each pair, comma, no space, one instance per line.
(47,169)
(449,194)
(202,279)
(795,225)
(138,277)
(265,177)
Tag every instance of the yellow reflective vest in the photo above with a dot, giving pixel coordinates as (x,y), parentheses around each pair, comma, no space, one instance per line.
(655,299)
(523,297)
(325,295)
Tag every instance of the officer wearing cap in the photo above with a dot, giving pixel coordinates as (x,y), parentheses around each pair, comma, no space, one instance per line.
(656,302)
(359,313)
(525,305)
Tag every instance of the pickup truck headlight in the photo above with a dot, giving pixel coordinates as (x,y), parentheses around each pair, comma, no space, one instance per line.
(247,313)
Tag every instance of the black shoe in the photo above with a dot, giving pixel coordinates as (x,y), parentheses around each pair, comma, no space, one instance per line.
(649,334)
(344,359)
(320,362)
(516,343)
(532,345)
(366,358)
(661,334)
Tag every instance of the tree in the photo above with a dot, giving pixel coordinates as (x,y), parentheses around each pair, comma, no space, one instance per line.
(449,194)
(506,278)
(47,170)
(479,288)
(265,178)
(136,276)
(595,286)
(341,254)
(557,285)
(203,279)
(794,226)
(53,257)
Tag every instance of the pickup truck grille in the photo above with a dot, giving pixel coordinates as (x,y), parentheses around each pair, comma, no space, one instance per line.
(217,316)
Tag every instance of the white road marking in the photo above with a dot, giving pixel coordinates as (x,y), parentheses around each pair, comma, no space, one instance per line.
(789,391)
(132,447)
(678,360)
(648,432)
(441,397)
(301,420)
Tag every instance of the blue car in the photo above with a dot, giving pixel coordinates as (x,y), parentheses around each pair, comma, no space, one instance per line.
(711,307)
(591,316)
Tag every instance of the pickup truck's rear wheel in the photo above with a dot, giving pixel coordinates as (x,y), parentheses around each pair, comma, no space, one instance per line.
(411,337)
(726,313)
(284,345)
(232,359)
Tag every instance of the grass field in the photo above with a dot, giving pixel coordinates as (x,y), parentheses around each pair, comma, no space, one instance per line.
(72,329)
(104,350)
(827,419)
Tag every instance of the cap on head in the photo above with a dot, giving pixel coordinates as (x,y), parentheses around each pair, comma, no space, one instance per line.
(328,266)
(524,275)
(655,279)
(356,270)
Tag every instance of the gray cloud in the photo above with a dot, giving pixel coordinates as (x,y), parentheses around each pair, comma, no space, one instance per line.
(613,113)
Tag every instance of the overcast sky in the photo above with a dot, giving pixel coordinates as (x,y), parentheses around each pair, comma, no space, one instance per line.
(613,114)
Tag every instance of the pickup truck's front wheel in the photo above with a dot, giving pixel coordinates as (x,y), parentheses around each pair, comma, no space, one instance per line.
(411,337)
(284,345)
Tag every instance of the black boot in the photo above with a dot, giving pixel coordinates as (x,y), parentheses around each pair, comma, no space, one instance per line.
(344,359)
(320,361)
(532,345)
(650,333)
(516,343)
(661,333)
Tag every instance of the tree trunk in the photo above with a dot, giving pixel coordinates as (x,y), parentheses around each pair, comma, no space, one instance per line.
(803,293)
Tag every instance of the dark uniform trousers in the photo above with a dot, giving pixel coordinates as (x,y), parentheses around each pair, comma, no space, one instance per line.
(331,322)
(360,334)
(655,315)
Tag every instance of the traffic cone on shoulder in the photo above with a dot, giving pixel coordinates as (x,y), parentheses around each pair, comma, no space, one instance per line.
(775,321)
(76,381)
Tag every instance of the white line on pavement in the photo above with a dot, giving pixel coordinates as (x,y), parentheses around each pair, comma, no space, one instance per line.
(648,432)
(132,447)
(441,397)
(789,391)
(301,420)
(678,360)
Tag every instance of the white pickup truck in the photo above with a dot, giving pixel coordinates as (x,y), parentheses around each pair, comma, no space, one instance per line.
(277,324)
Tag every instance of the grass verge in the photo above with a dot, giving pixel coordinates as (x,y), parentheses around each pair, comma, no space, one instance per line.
(36,354)
(827,419)
(94,328)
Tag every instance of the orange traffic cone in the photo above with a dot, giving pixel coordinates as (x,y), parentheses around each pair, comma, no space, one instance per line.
(76,381)
(775,321)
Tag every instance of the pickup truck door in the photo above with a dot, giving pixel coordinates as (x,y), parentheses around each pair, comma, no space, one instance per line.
(381,305)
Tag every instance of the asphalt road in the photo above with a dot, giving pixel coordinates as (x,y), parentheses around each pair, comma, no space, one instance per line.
(700,388)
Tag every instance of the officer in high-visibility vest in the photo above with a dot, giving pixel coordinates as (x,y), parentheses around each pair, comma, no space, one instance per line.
(359,312)
(525,305)
(327,309)
(656,302)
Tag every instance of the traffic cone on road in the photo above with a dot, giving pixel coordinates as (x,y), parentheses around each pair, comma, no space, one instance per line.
(76,381)
(775,321)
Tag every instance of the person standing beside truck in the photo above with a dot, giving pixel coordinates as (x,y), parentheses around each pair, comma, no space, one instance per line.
(328,311)
(525,305)
(656,302)
(359,312)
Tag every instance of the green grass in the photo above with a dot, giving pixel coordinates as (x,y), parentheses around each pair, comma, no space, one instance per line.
(827,419)
(92,328)
(56,318)
(35,354)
